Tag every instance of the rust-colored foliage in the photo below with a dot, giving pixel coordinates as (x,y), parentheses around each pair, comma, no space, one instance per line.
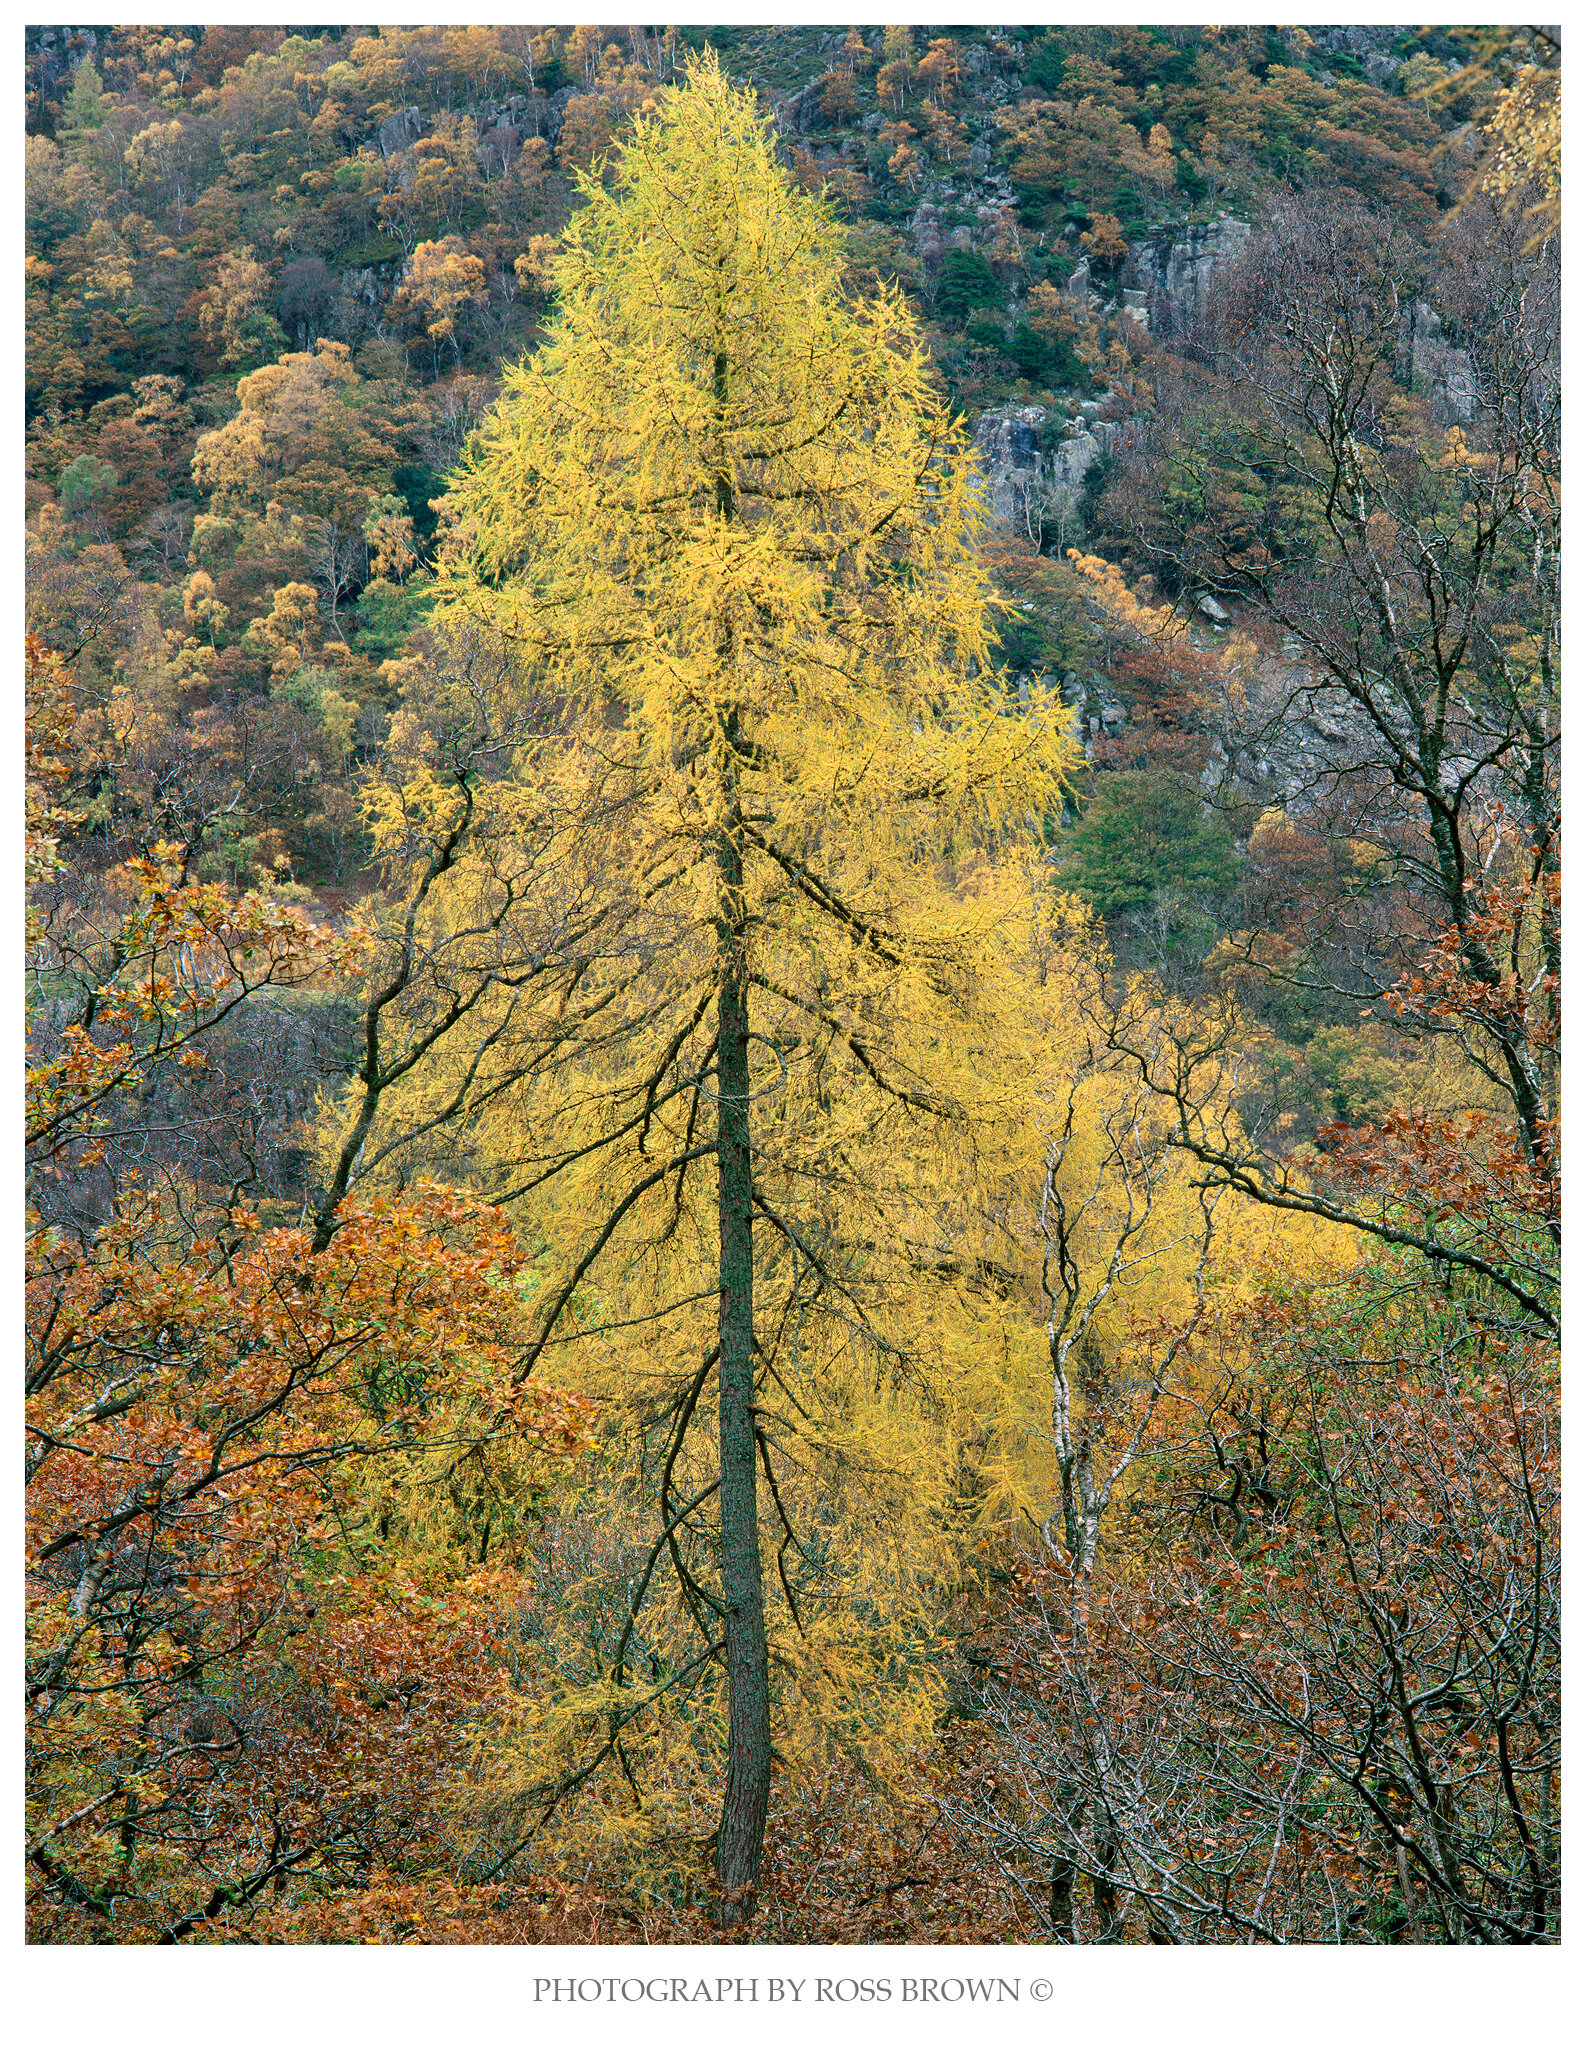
(233,1675)
(1322,1706)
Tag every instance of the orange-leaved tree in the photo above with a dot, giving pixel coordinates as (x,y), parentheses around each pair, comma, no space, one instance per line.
(262,1483)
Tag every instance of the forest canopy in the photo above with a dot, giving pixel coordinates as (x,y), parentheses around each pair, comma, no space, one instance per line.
(793,960)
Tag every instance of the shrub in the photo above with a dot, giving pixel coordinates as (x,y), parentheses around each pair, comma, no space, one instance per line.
(968,281)
(1142,833)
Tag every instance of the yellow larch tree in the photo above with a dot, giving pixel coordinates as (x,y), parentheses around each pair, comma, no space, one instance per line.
(723,522)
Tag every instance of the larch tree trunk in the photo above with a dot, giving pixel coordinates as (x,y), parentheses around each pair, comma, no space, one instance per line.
(748,1784)
(747,1791)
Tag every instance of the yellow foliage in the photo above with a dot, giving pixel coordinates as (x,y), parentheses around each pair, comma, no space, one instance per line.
(110,267)
(201,607)
(299,437)
(533,267)
(389,530)
(242,284)
(712,561)
(1525,135)
(1157,621)
(727,534)
(289,630)
(441,282)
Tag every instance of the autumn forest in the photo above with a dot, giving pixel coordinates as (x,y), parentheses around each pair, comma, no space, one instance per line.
(792,981)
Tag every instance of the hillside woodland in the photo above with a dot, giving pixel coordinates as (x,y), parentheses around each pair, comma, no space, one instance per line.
(792,985)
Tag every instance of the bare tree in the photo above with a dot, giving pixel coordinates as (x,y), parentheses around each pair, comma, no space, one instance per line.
(1410,569)
(338,560)
(1328,1710)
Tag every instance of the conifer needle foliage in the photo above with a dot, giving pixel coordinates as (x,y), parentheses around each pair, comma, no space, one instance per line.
(726,524)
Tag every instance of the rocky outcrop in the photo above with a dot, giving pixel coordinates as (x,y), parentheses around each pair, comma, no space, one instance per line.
(1032,487)
(1445,372)
(1007,444)
(556,110)
(400,130)
(371,285)
(1359,39)
(800,110)
(1370,43)
(1084,444)
(1176,271)
(1170,280)
(519,114)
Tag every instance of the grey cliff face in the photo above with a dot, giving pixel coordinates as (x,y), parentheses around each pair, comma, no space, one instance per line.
(1445,371)
(1032,489)
(400,129)
(1175,275)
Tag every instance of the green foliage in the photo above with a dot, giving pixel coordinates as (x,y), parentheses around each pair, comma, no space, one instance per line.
(1022,642)
(1046,358)
(258,339)
(230,855)
(967,281)
(85,106)
(387,614)
(306,689)
(1093,486)
(85,484)
(1141,835)
(1045,62)
(416,484)
(1045,626)
(1190,182)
